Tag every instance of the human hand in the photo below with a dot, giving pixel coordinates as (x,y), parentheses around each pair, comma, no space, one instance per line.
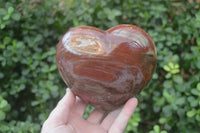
(67,117)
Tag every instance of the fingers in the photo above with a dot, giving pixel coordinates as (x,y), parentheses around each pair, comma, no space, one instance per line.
(63,108)
(108,121)
(96,116)
(121,121)
(80,106)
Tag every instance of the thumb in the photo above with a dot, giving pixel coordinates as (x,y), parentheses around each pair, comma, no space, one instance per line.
(63,108)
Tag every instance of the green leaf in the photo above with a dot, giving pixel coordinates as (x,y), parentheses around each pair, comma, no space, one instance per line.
(116,12)
(3,104)
(6,17)
(162,120)
(198,63)
(156,128)
(6,40)
(198,15)
(198,86)
(194,103)
(10,10)
(155,76)
(1,74)
(53,67)
(168,75)
(45,69)
(174,71)
(4,128)
(166,68)
(175,58)
(2,46)
(76,22)
(135,123)
(22,86)
(2,12)
(195,92)
(178,79)
(2,26)
(171,65)
(191,113)
(2,115)
(168,84)
(198,41)
(167,110)
(180,101)
(34,103)
(198,118)
(16,16)
(176,66)
(163,132)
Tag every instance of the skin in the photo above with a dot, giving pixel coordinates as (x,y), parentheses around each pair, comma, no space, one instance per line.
(67,117)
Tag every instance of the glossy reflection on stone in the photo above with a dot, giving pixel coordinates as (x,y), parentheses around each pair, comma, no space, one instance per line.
(106,68)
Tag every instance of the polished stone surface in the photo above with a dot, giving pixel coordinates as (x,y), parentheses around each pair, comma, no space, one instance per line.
(106,68)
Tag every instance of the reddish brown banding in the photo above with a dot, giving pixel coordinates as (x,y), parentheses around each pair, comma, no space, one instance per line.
(106,68)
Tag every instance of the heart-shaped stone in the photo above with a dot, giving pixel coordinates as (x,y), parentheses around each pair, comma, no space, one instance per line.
(106,68)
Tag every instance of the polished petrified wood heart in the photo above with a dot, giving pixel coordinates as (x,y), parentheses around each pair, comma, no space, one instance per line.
(106,68)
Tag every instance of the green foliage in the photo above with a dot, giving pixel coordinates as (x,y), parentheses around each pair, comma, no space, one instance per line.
(156,129)
(30,85)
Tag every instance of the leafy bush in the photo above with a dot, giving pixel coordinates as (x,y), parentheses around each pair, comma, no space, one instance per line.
(30,85)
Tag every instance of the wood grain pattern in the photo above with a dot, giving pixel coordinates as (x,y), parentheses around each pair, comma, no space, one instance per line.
(106,68)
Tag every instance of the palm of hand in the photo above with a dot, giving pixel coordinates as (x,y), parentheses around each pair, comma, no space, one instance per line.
(67,117)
